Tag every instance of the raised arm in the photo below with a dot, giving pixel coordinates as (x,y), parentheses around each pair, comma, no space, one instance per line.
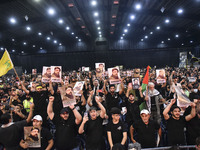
(24,89)
(81,128)
(50,108)
(192,114)
(30,115)
(104,87)
(51,88)
(83,99)
(89,100)
(167,109)
(103,110)
(76,114)
(122,87)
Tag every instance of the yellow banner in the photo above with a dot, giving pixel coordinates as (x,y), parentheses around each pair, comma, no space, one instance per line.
(5,63)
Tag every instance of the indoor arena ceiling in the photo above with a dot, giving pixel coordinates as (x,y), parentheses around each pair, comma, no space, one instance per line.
(29,25)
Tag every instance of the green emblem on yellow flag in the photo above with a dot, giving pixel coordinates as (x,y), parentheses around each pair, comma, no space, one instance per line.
(5,63)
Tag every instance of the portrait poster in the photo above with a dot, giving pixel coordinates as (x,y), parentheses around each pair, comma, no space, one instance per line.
(56,72)
(67,96)
(160,76)
(78,87)
(46,74)
(114,75)
(136,83)
(100,69)
(32,137)
(34,71)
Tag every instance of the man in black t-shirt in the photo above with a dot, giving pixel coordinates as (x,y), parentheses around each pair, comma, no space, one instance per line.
(40,98)
(66,126)
(46,137)
(93,128)
(146,130)
(112,97)
(176,123)
(116,129)
(10,133)
(193,126)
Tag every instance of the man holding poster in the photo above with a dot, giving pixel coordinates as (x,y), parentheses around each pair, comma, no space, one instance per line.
(66,126)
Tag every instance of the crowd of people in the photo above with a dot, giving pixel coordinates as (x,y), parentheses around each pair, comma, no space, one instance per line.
(105,116)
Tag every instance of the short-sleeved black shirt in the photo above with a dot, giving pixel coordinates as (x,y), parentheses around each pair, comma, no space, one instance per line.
(112,100)
(94,133)
(146,133)
(11,136)
(175,130)
(116,131)
(66,131)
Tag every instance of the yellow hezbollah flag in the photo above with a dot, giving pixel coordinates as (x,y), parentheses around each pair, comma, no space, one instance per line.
(5,63)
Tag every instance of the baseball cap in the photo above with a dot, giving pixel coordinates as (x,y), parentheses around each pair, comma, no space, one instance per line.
(115,110)
(144,111)
(63,110)
(37,117)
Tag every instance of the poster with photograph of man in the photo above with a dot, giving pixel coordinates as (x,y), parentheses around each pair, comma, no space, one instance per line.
(56,72)
(34,71)
(32,137)
(160,76)
(100,67)
(46,74)
(114,75)
(136,83)
(78,87)
(67,95)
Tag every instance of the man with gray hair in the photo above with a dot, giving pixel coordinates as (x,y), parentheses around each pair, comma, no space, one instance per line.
(154,101)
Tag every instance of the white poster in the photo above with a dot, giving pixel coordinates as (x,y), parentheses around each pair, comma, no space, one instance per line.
(46,74)
(160,76)
(114,75)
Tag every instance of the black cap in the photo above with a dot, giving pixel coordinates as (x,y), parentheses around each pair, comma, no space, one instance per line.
(115,110)
(63,110)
